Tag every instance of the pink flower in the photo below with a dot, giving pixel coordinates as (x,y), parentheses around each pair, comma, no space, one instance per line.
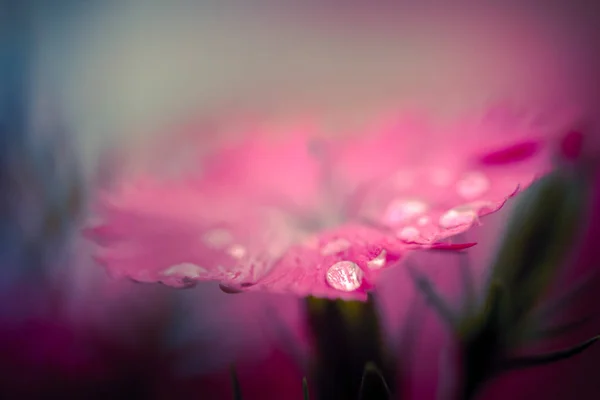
(313,216)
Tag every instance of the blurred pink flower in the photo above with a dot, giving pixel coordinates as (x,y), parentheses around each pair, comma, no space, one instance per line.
(312,216)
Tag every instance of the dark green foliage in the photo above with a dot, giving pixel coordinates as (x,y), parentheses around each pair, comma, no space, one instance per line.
(537,242)
(347,336)
(546,358)
(305,393)
(540,237)
(235,385)
(373,384)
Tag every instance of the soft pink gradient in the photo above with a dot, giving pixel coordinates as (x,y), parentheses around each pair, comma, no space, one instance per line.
(277,214)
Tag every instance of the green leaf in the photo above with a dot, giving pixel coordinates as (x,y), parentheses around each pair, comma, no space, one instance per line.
(487,319)
(495,304)
(305,389)
(426,287)
(547,358)
(235,384)
(563,300)
(346,335)
(538,240)
(470,299)
(373,385)
(554,331)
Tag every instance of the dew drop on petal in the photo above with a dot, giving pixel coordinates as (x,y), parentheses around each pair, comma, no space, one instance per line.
(335,247)
(237,251)
(345,276)
(473,185)
(379,261)
(409,233)
(457,217)
(229,290)
(217,238)
(400,211)
(227,274)
(185,269)
(423,221)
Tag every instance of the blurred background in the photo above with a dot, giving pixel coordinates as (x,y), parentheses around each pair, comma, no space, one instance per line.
(81,81)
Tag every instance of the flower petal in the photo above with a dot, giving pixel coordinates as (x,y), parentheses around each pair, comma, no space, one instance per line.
(280,216)
(342,263)
(513,153)
(467,171)
(267,169)
(178,234)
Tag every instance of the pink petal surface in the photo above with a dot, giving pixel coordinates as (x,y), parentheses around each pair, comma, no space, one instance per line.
(268,168)
(359,253)
(451,178)
(160,241)
(315,217)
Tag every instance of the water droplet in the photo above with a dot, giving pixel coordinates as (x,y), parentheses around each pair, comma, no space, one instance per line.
(457,217)
(473,185)
(409,234)
(185,269)
(229,289)
(379,261)
(237,251)
(335,247)
(400,211)
(217,238)
(423,221)
(345,276)
(227,274)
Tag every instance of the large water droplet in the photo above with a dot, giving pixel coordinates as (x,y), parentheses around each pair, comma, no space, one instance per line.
(217,238)
(423,221)
(379,261)
(458,216)
(400,211)
(188,270)
(228,274)
(473,185)
(345,276)
(409,234)
(335,247)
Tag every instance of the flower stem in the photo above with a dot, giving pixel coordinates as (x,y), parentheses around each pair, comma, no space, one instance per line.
(346,337)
